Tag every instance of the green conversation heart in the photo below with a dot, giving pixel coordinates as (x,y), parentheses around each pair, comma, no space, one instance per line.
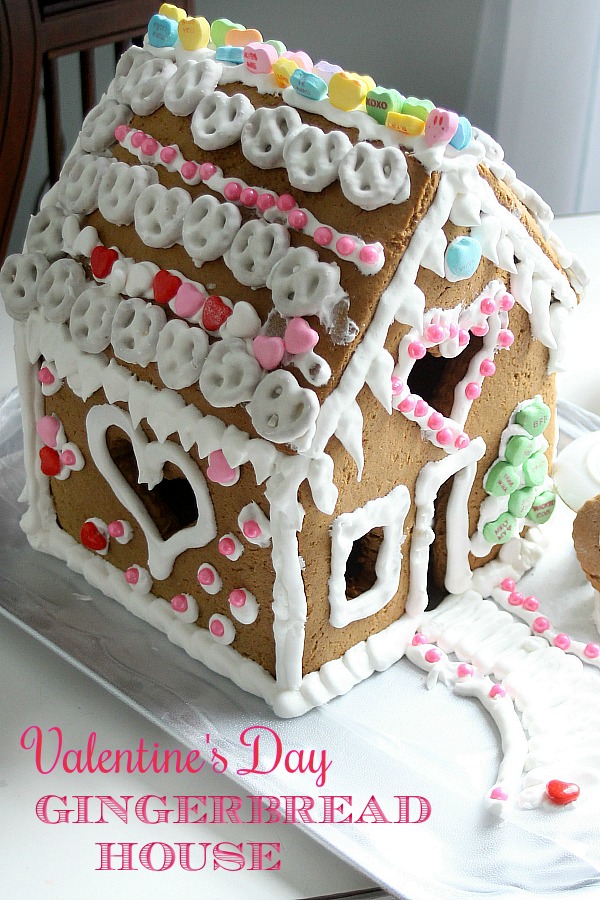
(518,449)
(501,529)
(520,502)
(219,29)
(380,101)
(420,109)
(534,418)
(502,479)
(535,470)
(543,507)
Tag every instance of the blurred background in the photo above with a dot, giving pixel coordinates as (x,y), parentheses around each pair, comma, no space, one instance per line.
(526,71)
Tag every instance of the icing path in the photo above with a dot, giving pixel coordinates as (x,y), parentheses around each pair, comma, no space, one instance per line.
(544,701)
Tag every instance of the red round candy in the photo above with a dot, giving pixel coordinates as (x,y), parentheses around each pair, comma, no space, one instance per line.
(50,461)
(562,792)
(102,261)
(91,537)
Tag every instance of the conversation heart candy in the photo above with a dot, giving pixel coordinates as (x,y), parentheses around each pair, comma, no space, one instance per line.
(462,137)
(162,31)
(381,101)
(534,417)
(172,12)
(542,508)
(420,109)
(268,351)
(463,255)
(279,46)
(302,59)
(241,37)
(102,260)
(259,58)
(440,127)
(194,33)
(519,503)
(189,300)
(535,469)
(308,85)
(562,792)
(299,336)
(232,55)
(165,285)
(502,479)
(518,449)
(326,70)
(347,90)
(282,70)
(409,125)
(219,30)
(501,529)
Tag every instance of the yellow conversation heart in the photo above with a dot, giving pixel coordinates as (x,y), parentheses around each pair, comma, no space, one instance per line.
(409,125)
(282,70)
(194,32)
(172,12)
(347,90)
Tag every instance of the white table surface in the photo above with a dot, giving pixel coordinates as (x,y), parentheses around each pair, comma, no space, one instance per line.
(38,687)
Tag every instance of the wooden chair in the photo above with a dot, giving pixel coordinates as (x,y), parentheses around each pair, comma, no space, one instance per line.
(33,34)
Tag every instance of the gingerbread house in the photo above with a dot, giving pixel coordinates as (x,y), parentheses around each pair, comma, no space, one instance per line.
(285,342)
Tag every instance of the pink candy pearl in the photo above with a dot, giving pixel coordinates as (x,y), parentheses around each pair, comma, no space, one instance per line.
(515,598)
(497,691)
(592,651)
(421,409)
(286,203)
(435,333)
(67,458)
(206,576)
(179,603)
(116,529)
(487,306)
(323,236)
(121,132)
(408,404)
(498,794)
(45,376)
(507,301)
(397,386)
(266,201)
(248,197)
(472,391)
(505,338)
(463,337)
(463,440)
(150,146)
(419,639)
(463,670)
(226,547)
(189,170)
(562,641)
(132,576)
(252,529)
(508,584)
(237,598)
(345,246)
(207,170)
(369,255)
(480,330)
(232,190)
(297,219)
(433,655)
(217,628)
(452,330)
(444,436)
(435,421)
(487,367)
(168,154)
(540,624)
(416,350)
(531,604)
(138,138)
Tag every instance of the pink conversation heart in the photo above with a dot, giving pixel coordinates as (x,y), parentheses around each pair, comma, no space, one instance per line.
(47,427)
(259,57)
(219,469)
(440,127)
(299,336)
(189,301)
(301,59)
(268,351)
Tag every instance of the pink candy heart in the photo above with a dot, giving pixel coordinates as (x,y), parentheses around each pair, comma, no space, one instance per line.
(299,336)
(48,427)
(268,351)
(189,301)
(301,59)
(219,469)
(259,57)
(440,127)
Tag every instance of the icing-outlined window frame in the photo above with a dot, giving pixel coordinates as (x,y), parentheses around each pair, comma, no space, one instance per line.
(389,514)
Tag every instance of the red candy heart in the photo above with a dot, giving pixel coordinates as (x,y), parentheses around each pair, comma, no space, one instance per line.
(165,286)
(50,461)
(214,313)
(102,260)
(562,792)
(91,537)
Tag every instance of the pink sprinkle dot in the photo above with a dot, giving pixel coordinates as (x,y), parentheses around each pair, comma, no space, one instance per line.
(508,584)
(444,436)
(515,598)
(419,639)
(472,391)
(138,138)
(265,201)
(497,691)
(421,409)
(562,641)
(505,338)
(252,529)
(237,598)
(323,236)
(132,576)
(487,367)
(297,219)
(408,404)
(416,350)
(397,386)
(189,170)
(435,333)
(480,330)
(179,603)
(531,604)
(232,190)
(592,651)
(487,306)
(121,132)
(206,576)
(463,337)
(463,440)
(369,255)
(150,146)
(116,529)
(433,655)
(435,421)
(68,458)
(45,376)
(168,154)
(540,624)
(286,202)
(464,670)
(217,628)
(507,301)
(226,547)
(248,197)
(345,246)
(498,794)
(207,170)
